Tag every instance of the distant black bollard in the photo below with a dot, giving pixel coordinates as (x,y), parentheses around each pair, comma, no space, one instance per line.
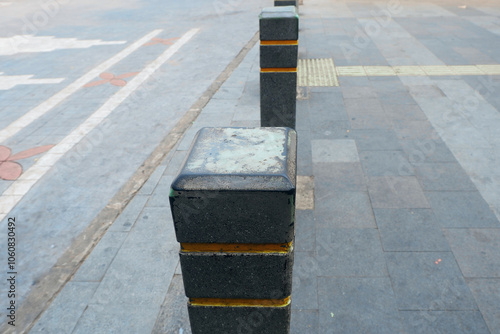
(233,206)
(279,33)
(285,3)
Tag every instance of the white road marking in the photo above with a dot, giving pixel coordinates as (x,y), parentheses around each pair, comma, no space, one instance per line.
(28,43)
(47,105)
(15,192)
(10,81)
(4,4)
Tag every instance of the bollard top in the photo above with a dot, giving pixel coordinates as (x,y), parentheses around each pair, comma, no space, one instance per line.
(240,159)
(279,24)
(279,12)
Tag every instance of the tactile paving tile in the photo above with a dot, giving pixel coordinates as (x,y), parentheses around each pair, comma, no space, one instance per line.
(317,73)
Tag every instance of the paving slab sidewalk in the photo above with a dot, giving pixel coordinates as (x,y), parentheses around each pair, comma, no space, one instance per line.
(403,235)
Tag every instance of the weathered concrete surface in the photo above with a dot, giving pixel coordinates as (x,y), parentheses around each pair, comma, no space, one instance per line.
(237,186)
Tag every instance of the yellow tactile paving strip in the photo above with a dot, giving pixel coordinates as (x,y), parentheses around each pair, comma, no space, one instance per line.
(323,72)
(317,73)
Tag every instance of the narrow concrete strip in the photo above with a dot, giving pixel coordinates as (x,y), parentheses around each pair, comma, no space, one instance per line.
(47,105)
(305,193)
(43,293)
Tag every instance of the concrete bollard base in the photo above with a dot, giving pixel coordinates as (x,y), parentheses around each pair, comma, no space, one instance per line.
(239,319)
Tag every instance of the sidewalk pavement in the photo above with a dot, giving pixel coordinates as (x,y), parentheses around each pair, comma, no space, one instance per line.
(403,232)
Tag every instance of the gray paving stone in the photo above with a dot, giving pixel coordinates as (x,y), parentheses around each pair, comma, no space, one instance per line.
(229,92)
(329,129)
(96,264)
(223,118)
(396,192)
(304,153)
(425,91)
(246,124)
(487,295)
(304,322)
(460,322)
(427,150)
(405,112)
(188,137)
(354,81)
(127,218)
(305,231)
(461,209)
(357,92)
(159,198)
(323,107)
(153,230)
(375,140)
(385,163)
(305,286)
(409,230)
(342,209)
(64,312)
(137,277)
(244,113)
(411,129)
(357,305)
(120,318)
(447,176)
(173,316)
(349,252)
(334,150)
(477,251)
(366,114)
(303,122)
(428,281)
(341,176)
(215,107)
(396,98)
(175,163)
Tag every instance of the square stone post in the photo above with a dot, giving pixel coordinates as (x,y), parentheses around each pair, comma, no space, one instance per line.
(279,33)
(233,206)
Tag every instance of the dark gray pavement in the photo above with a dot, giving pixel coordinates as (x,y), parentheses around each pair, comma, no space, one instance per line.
(398,148)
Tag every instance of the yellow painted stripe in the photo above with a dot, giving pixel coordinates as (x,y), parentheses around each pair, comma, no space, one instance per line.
(293,42)
(228,302)
(427,70)
(236,248)
(278,69)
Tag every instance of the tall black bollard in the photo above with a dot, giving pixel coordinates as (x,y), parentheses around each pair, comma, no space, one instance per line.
(233,206)
(279,33)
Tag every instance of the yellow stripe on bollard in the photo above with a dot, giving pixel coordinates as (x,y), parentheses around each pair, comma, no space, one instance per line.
(240,302)
(236,248)
(278,69)
(292,42)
